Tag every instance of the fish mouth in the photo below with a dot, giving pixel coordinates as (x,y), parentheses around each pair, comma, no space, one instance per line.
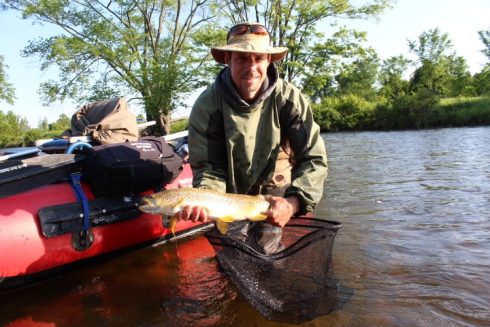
(143,201)
(147,205)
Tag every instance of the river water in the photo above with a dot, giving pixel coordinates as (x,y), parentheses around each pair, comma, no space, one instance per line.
(414,249)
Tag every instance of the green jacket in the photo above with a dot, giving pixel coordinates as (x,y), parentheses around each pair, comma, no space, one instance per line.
(234,145)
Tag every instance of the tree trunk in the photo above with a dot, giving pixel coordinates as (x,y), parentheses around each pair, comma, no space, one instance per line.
(164,124)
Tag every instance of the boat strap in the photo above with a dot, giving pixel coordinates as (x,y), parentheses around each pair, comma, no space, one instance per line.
(81,239)
(82,198)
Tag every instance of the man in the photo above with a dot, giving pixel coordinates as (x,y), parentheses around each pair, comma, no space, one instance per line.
(253,133)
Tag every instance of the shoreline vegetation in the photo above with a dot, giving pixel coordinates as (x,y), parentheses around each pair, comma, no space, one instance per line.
(123,51)
(337,114)
(352,113)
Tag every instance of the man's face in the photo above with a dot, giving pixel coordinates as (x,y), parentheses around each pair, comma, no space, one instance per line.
(248,71)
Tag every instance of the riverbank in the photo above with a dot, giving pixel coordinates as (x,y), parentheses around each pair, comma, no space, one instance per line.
(337,114)
(409,112)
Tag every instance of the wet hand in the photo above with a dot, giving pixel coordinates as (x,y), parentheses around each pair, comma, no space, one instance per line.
(281,209)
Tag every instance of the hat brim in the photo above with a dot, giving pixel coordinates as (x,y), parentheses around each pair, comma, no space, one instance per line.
(277,53)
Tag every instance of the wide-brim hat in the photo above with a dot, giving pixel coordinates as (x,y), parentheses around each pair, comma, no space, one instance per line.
(256,43)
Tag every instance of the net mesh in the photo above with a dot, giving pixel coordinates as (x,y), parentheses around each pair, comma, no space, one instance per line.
(294,285)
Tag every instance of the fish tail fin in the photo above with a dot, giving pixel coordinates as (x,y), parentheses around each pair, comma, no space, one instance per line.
(222,226)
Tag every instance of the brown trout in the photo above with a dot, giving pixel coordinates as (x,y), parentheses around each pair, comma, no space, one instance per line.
(223,208)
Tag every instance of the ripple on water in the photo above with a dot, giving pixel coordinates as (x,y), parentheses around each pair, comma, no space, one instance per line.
(416,220)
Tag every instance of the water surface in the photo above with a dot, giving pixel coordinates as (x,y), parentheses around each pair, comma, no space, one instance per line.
(414,248)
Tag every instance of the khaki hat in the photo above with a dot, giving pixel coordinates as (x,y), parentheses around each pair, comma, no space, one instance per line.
(249,41)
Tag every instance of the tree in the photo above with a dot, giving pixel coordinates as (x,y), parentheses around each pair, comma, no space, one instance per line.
(43,124)
(62,123)
(12,129)
(430,46)
(295,24)
(481,81)
(359,77)
(152,51)
(156,51)
(430,77)
(7,91)
(326,62)
(393,85)
(485,38)
(459,77)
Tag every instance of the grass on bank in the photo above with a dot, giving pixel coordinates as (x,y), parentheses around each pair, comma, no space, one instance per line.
(462,111)
(352,113)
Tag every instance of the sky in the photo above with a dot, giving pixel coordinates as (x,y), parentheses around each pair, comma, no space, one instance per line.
(388,35)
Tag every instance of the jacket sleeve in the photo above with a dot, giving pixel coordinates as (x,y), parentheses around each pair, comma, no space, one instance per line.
(207,148)
(310,166)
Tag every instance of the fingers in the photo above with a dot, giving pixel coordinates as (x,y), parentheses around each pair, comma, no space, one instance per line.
(194,214)
(280,211)
(199,214)
(185,213)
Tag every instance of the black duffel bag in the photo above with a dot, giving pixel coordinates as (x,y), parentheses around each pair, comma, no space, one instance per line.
(130,167)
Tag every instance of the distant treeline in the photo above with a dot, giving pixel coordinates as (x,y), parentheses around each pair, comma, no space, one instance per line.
(362,94)
(346,113)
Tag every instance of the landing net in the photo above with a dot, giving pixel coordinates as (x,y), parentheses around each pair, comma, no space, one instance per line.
(294,285)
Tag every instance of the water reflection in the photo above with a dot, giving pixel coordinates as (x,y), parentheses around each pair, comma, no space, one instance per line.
(414,247)
(173,285)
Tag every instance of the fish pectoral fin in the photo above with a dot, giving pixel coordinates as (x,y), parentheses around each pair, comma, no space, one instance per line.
(222,226)
(178,204)
(172,223)
(258,217)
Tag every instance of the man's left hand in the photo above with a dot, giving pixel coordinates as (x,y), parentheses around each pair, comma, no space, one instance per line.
(281,209)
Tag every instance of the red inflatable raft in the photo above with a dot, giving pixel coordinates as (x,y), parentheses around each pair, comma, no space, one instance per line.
(40,231)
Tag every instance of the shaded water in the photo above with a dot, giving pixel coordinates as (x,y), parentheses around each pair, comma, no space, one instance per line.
(414,247)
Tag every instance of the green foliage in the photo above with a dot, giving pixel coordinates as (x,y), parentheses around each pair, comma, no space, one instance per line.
(12,130)
(429,79)
(481,81)
(15,130)
(440,74)
(459,81)
(345,112)
(121,48)
(485,38)
(430,46)
(327,60)
(180,125)
(408,112)
(152,51)
(61,124)
(393,85)
(392,115)
(327,117)
(7,91)
(295,23)
(359,78)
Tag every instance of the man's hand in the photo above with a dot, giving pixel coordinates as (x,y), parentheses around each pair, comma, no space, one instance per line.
(281,210)
(195,214)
